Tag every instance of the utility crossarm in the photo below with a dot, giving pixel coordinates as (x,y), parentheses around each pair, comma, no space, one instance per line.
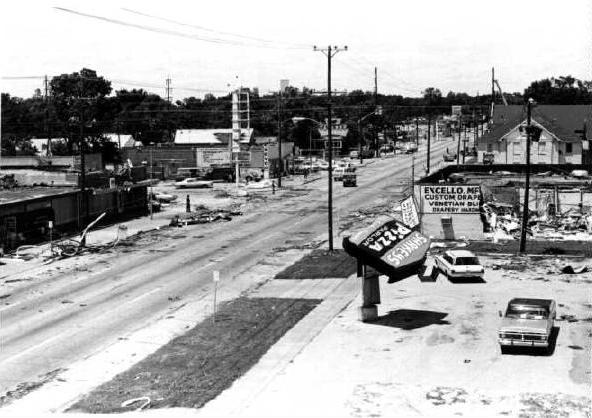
(501,93)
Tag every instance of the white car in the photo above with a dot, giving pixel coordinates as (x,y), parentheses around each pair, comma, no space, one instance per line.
(460,264)
(193,183)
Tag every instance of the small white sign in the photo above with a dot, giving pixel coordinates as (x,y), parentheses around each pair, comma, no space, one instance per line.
(50,224)
(216,276)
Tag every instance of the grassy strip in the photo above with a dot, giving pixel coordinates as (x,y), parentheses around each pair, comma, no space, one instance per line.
(196,367)
(320,264)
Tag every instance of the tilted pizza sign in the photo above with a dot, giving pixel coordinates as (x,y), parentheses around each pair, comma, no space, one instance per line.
(389,246)
(451,199)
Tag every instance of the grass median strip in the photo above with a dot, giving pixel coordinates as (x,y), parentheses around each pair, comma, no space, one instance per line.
(320,264)
(196,367)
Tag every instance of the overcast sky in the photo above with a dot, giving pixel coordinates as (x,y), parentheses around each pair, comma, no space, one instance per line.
(451,45)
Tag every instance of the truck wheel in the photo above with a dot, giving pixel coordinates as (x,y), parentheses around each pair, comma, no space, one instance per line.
(504,349)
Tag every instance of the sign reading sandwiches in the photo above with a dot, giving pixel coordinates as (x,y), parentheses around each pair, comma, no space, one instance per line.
(389,246)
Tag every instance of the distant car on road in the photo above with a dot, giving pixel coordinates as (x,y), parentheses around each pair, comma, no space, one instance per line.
(460,264)
(527,322)
(450,156)
(192,183)
(350,178)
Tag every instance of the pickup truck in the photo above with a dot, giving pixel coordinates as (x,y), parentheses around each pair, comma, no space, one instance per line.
(527,322)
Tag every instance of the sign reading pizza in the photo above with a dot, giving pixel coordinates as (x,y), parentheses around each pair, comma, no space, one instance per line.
(389,246)
(450,199)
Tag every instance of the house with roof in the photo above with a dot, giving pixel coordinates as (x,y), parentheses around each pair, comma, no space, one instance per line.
(562,141)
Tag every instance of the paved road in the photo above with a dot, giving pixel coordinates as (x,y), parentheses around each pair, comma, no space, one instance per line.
(52,323)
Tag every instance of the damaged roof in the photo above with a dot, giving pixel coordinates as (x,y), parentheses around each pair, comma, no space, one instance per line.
(560,120)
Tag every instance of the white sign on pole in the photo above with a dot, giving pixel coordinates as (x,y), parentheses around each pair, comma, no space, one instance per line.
(216,275)
(409,212)
(451,199)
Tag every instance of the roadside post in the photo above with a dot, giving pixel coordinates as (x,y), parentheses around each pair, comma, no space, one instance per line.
(187,205)
(216,277)
(50,225)
(370,293)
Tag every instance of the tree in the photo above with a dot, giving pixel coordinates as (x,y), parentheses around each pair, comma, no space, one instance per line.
(79,98)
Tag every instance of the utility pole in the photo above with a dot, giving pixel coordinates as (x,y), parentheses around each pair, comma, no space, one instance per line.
(458,145)
(527,180)
(360,134)
(465,144)
(329,53)
(168,98)
(429,136)
(151,189)
(46,121)
(376,154)
(492,90)
(416,132)
(279,118)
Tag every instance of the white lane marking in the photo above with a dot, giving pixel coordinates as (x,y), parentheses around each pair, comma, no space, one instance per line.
(35,347)
(137,298)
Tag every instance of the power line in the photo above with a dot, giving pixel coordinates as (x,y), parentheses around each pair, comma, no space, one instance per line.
(209,29)
(164,31)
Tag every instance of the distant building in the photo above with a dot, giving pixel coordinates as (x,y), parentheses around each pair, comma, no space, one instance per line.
(122,140)
(284,84)
(559,142)
(339,131)
(41,144)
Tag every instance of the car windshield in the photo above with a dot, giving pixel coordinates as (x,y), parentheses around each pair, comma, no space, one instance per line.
(467,261)
(526,312)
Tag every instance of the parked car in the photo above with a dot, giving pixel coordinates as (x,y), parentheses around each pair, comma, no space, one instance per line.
(527,322)
(460,264)
(410,147)
(354,154)
(192,183)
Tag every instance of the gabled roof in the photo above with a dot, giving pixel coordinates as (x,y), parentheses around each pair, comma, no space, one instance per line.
(210,136)
(127,141)
(560,120)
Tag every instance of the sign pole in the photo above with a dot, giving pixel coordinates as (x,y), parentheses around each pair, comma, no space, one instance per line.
(216,278)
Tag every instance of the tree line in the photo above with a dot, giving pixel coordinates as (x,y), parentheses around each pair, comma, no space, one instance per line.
(84,101)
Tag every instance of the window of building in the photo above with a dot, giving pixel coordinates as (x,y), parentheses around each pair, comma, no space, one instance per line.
(568,148)
(542,147)
(489,147)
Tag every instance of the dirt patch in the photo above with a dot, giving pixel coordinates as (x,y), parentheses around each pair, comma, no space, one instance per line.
(446,395)
(196,367)
(320,264)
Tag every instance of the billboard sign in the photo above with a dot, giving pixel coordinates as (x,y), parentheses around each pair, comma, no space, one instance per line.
(450,199)
(457,110)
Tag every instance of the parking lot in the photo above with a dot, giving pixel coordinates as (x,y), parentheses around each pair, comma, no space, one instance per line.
(433,351)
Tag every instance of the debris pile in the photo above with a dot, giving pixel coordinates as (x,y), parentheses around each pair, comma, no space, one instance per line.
(505,223)
(202,216)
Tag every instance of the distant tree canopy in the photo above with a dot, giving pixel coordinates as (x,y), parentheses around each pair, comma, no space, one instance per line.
(561,90)
(87,98)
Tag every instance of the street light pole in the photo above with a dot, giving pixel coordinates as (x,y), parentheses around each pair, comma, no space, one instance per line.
(330,52)
(279,104)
